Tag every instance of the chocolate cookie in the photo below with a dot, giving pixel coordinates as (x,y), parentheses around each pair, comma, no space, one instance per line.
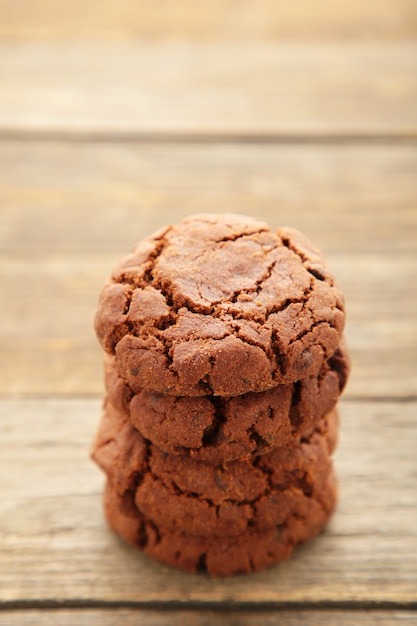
(221,556)
(219,430)
(179,493)
(220,305)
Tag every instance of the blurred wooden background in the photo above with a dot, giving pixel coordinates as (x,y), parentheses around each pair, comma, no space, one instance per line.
(116,118)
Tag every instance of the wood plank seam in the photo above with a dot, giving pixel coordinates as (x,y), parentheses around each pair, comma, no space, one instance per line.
(382,137)
(220,605)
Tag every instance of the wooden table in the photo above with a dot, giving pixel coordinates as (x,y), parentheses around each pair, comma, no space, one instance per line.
(117,118)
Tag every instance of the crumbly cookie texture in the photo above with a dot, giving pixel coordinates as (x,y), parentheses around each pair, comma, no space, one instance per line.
(179,493)
(220,305)
(218,556)
(219,430)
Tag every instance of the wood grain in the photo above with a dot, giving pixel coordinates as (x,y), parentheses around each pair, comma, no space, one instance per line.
(132,617)
(218,19)
(106,196)
(253,89)
(55,544)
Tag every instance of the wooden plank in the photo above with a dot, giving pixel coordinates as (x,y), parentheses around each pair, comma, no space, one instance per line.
(222,88)
(218,19)
(107,196)
(56,546)
(49,300)
(132,617)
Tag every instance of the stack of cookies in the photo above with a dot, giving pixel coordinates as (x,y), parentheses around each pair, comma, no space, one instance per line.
(224,363)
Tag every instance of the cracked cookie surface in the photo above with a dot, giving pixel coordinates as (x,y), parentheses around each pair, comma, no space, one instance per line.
(220,305)
(219,430)
(181,494)
(218,556)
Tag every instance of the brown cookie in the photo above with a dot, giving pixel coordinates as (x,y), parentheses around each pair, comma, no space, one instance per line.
(221,556)
(219,304)
(181,494)
(219,430)
(118,450)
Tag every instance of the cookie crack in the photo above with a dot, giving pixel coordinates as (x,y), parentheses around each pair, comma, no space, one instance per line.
(309,330)
(156,538)
(259,442)
(267,472)
(142,282)
(146,277)
(153,258)
(237,236)
(213,308)
(315,324)
(255,290)
(294,415)
(306,261)
(212,432)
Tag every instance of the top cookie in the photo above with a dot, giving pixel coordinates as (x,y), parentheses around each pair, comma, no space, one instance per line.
(219,304)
